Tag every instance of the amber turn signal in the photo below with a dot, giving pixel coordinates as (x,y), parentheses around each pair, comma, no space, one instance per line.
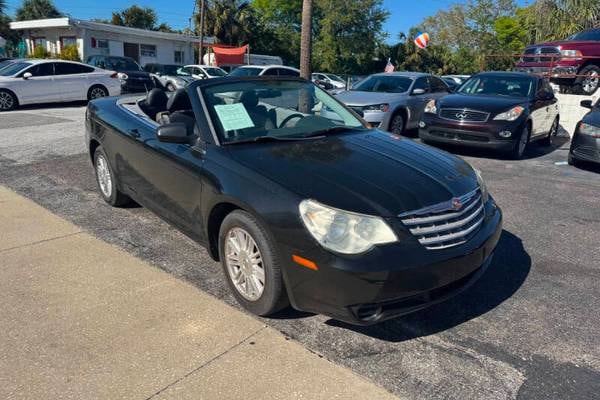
(304,262)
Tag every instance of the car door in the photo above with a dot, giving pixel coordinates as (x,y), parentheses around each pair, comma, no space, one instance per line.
(40,87)
(416,101)
(438,87)
(72,80)
(539,111)
(553,107)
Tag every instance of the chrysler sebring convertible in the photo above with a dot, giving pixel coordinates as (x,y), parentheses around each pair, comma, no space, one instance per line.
(300,202)
(503,111)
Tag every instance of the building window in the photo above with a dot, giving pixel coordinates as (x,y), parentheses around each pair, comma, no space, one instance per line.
(39,42)
(148,50)
(179,55)
(67,41)
(102,45)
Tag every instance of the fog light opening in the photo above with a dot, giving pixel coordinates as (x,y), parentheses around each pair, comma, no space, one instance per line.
(506,134)
(422,124)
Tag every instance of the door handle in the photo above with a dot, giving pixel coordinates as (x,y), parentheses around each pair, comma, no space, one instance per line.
(135,133)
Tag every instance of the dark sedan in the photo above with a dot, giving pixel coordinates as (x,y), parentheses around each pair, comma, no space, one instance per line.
(300,202)
(585,144)
(498,110)
(132,77)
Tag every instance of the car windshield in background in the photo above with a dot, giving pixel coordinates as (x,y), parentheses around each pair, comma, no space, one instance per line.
(215,72)
(243,71)
(14,68)
(122,64)
(335,78)
(171,70)
(275,110)
(586,35)
(5,63)
(490,85)
(384,84)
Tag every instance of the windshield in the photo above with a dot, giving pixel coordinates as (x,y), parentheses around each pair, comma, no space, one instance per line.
(586,35)
(279,110)
(335,78)
(122,64)
(384,84)
(14,68)
(171,69)
(243,71)
(510,86)
(215,72)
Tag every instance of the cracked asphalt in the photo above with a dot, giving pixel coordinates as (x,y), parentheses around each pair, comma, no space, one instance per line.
(529,329)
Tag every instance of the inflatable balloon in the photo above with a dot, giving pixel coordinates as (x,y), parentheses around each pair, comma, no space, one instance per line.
(422,40)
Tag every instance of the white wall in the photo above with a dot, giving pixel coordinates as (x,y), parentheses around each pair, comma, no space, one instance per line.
(571,111)
(53,35)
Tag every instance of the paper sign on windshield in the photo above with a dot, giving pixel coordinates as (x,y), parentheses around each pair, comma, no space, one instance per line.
(233,116)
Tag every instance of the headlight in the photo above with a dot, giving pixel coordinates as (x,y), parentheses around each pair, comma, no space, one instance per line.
(431,108)
(589,130)
(377,108)
(482,186)
(342,231)
(122,76)
(570,53)
(510,115)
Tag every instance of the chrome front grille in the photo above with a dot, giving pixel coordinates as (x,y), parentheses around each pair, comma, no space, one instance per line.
(457,114)
(447,224)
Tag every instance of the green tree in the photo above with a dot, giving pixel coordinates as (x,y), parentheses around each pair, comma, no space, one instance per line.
(2,7)
(231,22)
(558,19)
(135,17)
(37,9)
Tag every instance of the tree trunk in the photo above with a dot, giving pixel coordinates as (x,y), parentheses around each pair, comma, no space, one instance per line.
(306,39)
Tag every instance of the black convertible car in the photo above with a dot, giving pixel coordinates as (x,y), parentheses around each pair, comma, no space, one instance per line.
(300,202)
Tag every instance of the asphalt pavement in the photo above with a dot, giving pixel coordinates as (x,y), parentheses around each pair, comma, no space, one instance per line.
(528,329)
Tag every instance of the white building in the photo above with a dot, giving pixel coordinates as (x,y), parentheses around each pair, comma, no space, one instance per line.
(93,38)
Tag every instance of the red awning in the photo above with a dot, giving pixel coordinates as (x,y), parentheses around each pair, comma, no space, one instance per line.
(229,55)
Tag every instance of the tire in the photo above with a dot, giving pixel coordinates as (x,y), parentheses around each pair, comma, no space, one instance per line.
(272,297)
(571,160)
(97,92)
(564,89)
(397,124)
(520,146)
(107,184)
(8,101)
(170,87)
(548,140)
(588,85)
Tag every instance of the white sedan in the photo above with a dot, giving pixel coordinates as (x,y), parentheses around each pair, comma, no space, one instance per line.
(51,81)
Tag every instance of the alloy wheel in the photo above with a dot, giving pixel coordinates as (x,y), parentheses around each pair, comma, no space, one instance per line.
(244,264)
(590,83)
(397,125)
(523,140)
(97,93)
(6,101)
(104,176)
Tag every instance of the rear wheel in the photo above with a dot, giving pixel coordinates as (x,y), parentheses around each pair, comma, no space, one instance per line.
(397,124)
(518,150)
(251,265)
(97,92)
(8,101)
(588,81)
(107,180)
(548,140)
(571,160)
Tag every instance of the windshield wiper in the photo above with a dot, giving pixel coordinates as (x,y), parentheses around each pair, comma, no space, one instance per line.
(335,129)
(267,138)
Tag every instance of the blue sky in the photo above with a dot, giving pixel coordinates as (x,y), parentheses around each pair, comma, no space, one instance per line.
(404,13)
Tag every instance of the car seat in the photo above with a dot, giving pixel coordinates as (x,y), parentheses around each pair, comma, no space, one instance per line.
(263,119)
(155,103)
(179,109)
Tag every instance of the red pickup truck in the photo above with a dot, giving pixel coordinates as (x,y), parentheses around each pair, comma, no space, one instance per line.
(574,63)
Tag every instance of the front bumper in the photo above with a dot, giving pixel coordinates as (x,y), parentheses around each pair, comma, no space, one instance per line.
(481,135)
(559,73)
(585,148)
(393,280)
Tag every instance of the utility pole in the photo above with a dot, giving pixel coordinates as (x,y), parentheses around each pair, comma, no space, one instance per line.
(306,39)
(202,10)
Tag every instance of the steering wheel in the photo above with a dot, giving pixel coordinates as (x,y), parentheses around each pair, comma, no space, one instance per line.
(289,118)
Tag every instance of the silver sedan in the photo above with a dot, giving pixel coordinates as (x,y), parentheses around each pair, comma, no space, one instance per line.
(394,101)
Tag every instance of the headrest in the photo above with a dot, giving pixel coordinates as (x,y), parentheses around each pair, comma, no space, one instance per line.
(179,101)
(249,99)
(156,98)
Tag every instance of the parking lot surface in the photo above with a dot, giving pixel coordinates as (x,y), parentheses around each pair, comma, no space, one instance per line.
(528,329)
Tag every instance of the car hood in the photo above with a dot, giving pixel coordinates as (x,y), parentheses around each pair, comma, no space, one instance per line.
(565,43)
(372,173)
(358,98)
(491,104)
(592,117)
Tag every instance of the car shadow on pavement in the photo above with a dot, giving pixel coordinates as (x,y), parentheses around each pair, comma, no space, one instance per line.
(50,106)
(507,273)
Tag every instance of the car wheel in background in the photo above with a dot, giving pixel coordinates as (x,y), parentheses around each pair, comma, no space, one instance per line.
(571,160)
(516,153)
(8,101)
(97,92)
(170,87)
(547,141)
(588,81)
(107,180)
(397,124)
(251,265)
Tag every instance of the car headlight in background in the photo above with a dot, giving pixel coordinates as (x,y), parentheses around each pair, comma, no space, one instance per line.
(589,130)
(571,54)
(122,76)
(343,231)
(430,107)
(485,196)
(510,115)
(377,108)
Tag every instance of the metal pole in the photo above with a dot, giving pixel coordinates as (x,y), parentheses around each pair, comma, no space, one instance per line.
(201,61)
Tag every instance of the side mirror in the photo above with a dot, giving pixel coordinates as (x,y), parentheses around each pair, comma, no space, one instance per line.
(586,104)
(27,75)
(418,91)
(175,132)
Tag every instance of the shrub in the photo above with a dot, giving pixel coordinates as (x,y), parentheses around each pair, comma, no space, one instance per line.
(40,52)
(70,53)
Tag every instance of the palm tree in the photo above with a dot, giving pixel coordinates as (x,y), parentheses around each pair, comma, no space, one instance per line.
(557,19)
(37,9)
(2,6)
(229,21)
(306,39)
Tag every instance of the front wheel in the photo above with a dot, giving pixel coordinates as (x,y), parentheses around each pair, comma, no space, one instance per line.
(521,144)
(107,180)
(8,101)
(251,264)
(548,140)
(588,81)
(397,124)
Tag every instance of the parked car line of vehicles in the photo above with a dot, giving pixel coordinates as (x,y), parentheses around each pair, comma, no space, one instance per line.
(169,76)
